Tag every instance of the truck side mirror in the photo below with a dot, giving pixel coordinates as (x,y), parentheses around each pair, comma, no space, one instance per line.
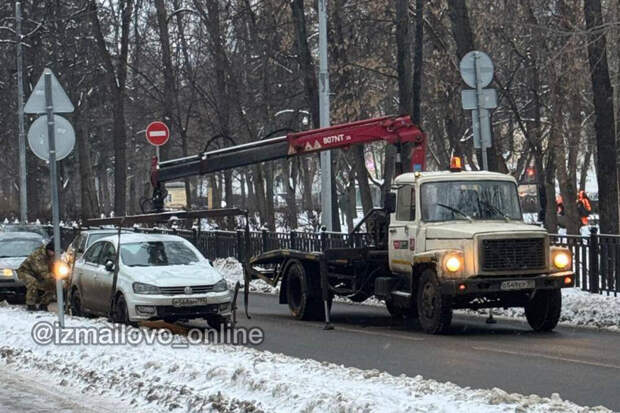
(390,202)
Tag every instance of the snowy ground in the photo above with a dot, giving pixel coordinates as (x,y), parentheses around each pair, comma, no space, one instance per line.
(229,379)
(579,308)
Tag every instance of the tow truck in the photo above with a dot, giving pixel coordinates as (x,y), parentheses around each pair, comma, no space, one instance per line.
(442,241)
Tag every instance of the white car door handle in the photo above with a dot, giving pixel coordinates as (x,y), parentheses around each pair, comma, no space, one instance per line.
(393,230)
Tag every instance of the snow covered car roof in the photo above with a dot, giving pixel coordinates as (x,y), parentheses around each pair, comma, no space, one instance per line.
(128,238)
(104,231)
(22,235)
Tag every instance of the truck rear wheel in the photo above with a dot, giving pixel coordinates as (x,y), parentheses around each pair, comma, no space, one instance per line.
(543,311)
(434,309)
(304,303)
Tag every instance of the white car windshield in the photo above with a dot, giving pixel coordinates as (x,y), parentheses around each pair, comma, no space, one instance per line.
(157,254)
(18,247)
(469,200)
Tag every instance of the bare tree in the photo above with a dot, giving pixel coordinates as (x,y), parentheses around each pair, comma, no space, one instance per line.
(116,76)
(607,174)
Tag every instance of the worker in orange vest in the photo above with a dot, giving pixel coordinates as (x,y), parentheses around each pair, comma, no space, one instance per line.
(583,207)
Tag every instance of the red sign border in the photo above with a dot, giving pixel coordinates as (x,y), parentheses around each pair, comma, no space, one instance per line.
(146,133)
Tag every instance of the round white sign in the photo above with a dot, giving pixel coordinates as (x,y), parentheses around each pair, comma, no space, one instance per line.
(468,68)
(64,138)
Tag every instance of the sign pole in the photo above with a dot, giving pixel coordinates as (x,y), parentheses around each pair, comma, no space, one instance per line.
(476,70)
(481,112)
(54,189)
(23,192)
(326,156)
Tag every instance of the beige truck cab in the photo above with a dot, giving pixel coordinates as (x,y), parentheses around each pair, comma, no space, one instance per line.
(457,240)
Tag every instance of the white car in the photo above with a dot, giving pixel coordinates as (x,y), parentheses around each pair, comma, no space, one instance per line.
(160,277)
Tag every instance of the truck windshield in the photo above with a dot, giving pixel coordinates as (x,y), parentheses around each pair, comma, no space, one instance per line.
(465,200)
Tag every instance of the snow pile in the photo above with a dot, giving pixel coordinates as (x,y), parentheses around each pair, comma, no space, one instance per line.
(232,271)
(579,308)
(227,378)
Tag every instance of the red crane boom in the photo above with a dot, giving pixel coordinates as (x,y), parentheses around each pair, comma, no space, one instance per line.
(391,129)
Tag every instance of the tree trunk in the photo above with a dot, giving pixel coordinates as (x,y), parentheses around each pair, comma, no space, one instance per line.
(361,175)
(88,195)
(404,68)
(604,124)
(403,57)
(116,78)
(269,197)
(170,95)
(418,62)
(288,175)
(304,58)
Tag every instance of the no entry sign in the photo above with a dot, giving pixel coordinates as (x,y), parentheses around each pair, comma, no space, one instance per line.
(157,133)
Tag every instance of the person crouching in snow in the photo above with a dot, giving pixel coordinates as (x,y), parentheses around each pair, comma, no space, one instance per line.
(36,273)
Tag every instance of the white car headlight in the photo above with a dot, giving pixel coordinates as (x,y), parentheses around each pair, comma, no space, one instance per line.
(141,288)
(220,286)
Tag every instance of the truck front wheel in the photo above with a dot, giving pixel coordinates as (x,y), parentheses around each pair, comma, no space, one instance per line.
(304,305)
(543,311)
(434,309)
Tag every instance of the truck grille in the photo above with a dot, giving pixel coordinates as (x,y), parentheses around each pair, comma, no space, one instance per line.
(513,254)
(196,289)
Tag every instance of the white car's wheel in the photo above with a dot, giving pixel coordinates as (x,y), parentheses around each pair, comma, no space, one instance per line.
(121,313)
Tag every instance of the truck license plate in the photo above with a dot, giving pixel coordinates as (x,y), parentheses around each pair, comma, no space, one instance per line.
(188,302)
(517,285)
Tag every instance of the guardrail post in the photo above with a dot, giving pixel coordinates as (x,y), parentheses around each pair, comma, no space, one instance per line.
(323,239)
(195,236)
(593,258)
(240,252)
(217,245)
(265,239)
(293,240)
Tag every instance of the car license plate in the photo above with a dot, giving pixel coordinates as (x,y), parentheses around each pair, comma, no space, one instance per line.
(188,302)
(517,285)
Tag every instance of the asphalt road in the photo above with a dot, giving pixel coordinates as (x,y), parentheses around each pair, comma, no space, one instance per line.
(582,365)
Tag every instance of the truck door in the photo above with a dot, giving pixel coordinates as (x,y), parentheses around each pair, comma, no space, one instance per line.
(402,230)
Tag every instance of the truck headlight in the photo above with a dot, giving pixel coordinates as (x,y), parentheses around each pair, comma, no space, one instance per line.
(453,262)
(6,272)
(220,286)
(562,260)
(141,288)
